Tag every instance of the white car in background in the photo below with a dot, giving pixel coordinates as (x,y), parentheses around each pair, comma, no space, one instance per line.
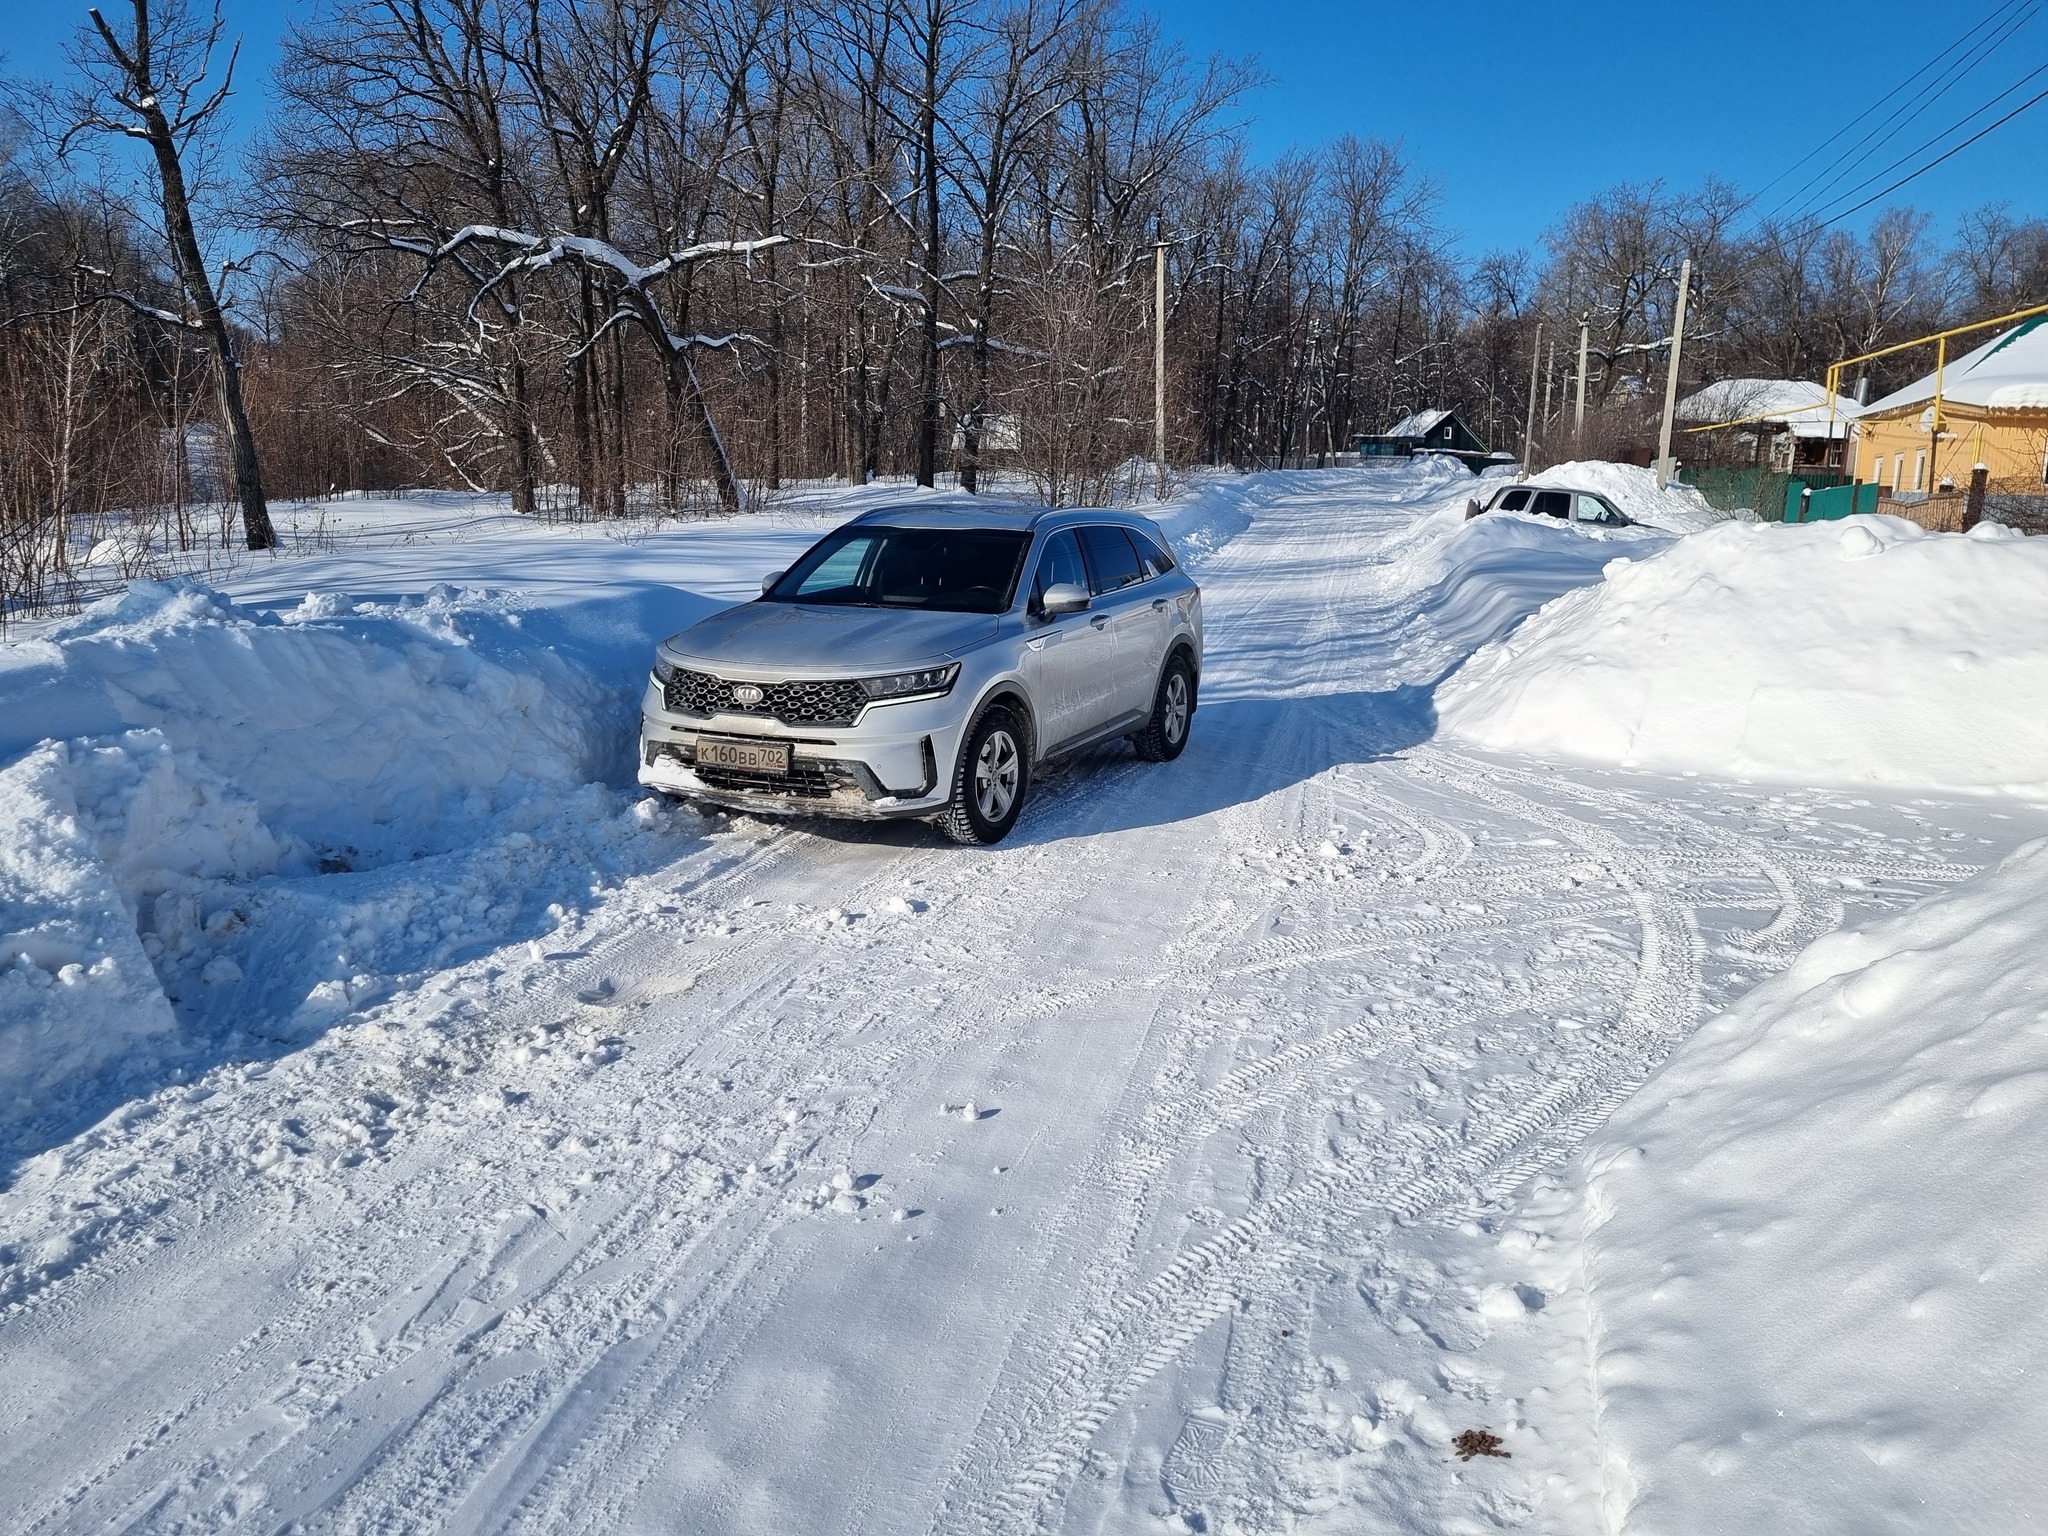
(1563,502)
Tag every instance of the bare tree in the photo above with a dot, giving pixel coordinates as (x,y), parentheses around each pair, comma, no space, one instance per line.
(2001,263)
(1012,104)
(150,85)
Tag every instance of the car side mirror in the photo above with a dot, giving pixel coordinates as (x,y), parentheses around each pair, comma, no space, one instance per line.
(768,581)
(1064,597)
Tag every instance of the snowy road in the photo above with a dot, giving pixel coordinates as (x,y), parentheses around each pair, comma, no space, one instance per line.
(836,1180)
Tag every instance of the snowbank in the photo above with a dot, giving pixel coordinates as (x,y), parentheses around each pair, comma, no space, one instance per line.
(1472,581)
(1811,1252)
(1863,651)
(1676,508)
(1207,512)
(269,815)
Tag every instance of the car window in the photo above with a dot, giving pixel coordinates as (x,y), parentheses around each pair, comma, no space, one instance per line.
(1152,554)
(1112,563)
(1590,509)
(1514,501)
(1059,564)
(1553,504)
(840,569)
(954,570)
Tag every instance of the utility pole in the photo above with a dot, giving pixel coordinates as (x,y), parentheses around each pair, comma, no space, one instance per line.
(1529,426)
(1159,364)
(1579,414)
(1664,470)
(1549,378)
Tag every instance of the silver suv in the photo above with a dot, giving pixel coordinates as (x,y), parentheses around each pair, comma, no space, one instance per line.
(922,661)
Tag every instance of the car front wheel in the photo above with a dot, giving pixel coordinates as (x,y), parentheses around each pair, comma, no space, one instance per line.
(989,781)
(1173,712)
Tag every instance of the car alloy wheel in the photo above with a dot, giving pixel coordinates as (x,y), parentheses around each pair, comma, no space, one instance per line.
(1173,720)
(997,768)
(990,781)
(1173,713)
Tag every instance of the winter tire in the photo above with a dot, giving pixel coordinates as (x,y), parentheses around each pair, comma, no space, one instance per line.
(1173,712)
(989,783)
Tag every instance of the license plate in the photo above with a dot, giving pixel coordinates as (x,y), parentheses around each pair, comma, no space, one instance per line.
(746,756)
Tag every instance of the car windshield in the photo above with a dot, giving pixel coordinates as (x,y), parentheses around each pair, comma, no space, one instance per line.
(953,570)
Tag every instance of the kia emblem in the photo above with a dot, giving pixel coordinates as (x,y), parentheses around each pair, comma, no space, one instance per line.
(747,694)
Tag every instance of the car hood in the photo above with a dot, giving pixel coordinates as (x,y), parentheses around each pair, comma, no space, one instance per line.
(835,641)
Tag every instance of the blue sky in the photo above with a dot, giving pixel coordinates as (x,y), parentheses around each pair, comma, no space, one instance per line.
(1518,111)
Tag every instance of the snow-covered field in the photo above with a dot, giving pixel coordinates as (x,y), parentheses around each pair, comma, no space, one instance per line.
(411,1127)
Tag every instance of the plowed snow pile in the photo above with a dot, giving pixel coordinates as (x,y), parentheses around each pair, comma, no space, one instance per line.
(275,816)
(1674,508)
(1808,1257)
(1864,651)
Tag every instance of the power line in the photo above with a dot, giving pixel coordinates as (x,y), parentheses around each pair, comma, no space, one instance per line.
(1929,143)
(1880,101)
(1901,117)
(1897,124)
(1944,155)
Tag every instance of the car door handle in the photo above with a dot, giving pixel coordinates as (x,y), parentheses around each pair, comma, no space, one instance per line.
(1100,620)
(1159,605)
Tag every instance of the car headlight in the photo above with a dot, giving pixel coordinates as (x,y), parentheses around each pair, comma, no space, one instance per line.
(924,683)
(663,671)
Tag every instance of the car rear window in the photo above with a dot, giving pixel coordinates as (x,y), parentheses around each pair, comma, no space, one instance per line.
(1155,556)
(1553,504)
(953,570)
(1514,501)
(1112,562)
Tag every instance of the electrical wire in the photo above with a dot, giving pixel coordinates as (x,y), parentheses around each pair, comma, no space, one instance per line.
(1897,124)
(1879,102)
(1944,155)
(1814,192)
(1929,143)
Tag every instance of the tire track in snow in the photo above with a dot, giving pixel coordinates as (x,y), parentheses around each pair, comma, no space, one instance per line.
(1144,1326)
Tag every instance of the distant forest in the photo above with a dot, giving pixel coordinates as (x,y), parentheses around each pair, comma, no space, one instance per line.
(620,256)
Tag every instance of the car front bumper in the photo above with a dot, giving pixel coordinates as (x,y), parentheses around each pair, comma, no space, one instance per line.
(896,761)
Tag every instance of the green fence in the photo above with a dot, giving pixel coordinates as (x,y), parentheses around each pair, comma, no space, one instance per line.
(1829,502)
(1772,494)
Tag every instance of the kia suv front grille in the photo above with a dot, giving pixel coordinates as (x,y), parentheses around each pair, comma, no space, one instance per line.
(793,703)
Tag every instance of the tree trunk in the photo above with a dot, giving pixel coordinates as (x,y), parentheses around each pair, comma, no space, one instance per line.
(707,432)
(524,471)
(192,274)
(928,331)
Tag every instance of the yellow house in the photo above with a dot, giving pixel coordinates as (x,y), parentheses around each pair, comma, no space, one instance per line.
(1993,408)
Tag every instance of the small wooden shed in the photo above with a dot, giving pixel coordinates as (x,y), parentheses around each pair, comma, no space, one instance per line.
(1426,432)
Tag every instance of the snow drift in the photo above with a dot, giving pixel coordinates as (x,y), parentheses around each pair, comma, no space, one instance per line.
(1812,1250)
(1479,578)
(276,813)
(1674,508)
(1864,651)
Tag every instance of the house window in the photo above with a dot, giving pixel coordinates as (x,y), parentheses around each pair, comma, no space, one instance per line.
(1920,470)
(1898,471)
